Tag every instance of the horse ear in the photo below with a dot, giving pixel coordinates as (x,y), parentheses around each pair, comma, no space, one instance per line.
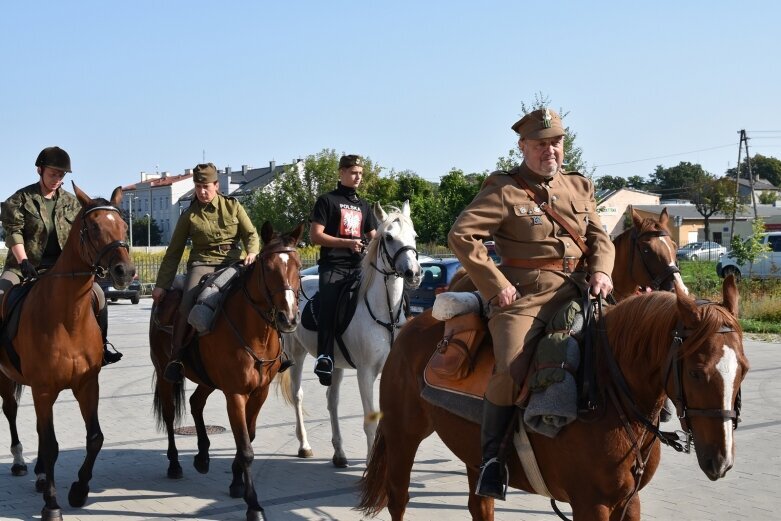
(379,213)
(729,290)
(405,208)
(83,198)
(297,233)
(636,219)
(664,217)
(116,196)
(266,232)
(687,307)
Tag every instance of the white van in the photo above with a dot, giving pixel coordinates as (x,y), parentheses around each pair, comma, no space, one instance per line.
(767,266)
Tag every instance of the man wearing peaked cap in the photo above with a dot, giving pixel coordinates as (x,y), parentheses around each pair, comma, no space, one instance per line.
(553,250)
(218,227)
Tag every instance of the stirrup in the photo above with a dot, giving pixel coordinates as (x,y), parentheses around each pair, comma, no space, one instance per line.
(491,491)
(324,366)
(285,365)
(110,357)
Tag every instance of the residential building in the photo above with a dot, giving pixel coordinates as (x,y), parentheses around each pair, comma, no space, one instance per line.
(612,206)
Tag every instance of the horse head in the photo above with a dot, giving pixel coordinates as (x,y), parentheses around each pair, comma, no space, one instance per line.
(102,233)
(395,245)
(704,381)
(278,267)
(652,257)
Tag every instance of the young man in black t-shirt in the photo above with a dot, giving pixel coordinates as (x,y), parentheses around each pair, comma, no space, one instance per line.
(340,223)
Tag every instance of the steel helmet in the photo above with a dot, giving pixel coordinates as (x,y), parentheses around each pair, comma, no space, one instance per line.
(54,157)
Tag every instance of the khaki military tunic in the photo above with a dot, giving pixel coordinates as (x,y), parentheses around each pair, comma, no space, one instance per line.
(26,222)
(213,228)
(504,212)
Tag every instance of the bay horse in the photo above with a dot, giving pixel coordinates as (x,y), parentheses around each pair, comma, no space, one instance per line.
(58,344)
(662,344)
(390,264)
(240,356)
(645,257)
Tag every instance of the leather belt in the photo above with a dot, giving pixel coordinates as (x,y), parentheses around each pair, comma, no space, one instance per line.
(225,247)
(565,265)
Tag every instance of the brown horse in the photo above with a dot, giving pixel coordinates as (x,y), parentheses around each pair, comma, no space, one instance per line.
(661,343)
(58,341)
(645,257)
(240,356)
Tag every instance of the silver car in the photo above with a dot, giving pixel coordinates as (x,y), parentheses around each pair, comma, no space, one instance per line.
(710,251)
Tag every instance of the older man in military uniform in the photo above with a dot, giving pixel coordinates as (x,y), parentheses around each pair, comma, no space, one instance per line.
(553,247)
(218,226)
(37,221)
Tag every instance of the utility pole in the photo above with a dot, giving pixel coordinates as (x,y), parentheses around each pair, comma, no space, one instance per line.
(743,142)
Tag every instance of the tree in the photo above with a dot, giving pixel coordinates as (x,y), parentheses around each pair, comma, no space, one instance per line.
(609,182)
(761,166)
(573,154)
(677,181)
(768,197)
(711,195)
(637,182)
(142,230)
(749,250)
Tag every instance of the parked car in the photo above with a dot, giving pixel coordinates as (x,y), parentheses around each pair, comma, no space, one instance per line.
(707,250)
(767,266)
(132,292)
(436,278)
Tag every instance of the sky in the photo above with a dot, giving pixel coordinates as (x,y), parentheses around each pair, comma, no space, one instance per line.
(424,86)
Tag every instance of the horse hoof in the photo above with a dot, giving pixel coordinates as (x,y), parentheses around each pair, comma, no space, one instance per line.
(40,485)
(201,464)
(51,514)
(339,462)
(255,515)
(175,472)
(78,494)
(305,453)
(237,491)
(19,470)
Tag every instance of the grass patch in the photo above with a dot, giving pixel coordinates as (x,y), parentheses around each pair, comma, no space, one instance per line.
(750,325)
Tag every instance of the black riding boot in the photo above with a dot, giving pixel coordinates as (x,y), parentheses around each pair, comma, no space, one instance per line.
(493,471)
(109,357)
(174,371)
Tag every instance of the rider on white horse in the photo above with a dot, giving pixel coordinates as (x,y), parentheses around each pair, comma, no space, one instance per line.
(341,223)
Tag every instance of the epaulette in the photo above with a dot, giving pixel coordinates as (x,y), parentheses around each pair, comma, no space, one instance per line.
(573,172)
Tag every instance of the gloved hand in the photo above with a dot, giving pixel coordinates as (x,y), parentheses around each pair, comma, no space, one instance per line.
(28,270)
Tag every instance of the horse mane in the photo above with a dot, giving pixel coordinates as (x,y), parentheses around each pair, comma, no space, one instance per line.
(640,328)
(367,271)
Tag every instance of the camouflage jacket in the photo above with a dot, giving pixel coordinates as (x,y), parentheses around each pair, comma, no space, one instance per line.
(212,228)
(25,221)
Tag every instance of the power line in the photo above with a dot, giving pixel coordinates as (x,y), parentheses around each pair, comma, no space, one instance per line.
(664,157)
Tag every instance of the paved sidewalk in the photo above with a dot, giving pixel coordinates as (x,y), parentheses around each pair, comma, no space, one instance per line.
(130,484)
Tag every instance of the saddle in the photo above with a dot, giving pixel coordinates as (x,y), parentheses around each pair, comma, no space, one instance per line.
(344,310)
(457,374)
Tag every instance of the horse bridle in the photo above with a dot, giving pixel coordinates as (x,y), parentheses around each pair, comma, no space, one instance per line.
(391,260)
(656,282)
(86,240)
(270,314)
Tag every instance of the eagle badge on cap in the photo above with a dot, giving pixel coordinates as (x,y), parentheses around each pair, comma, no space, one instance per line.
(547,119)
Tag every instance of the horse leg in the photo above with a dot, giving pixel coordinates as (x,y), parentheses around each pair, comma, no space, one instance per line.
(591,511)
(87,396)
(48,451)
(243,484)
(197,404)
(40,472)
(296,373)
(168,401)
(254,403)
(8,391)
(481,508)
(632,511)
(332,394)
(366,378)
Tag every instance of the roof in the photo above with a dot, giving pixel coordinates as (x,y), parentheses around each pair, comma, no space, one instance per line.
(603,195)
(161,181)
(255,178)
(759,184)
(689,211)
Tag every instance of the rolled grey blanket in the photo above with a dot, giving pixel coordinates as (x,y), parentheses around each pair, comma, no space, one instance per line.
(556,406)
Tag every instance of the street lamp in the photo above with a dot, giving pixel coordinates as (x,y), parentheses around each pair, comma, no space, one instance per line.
(130,197)
(148,231)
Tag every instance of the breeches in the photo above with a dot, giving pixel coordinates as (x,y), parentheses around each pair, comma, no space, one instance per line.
(190,291)
(511,334)
(329,292)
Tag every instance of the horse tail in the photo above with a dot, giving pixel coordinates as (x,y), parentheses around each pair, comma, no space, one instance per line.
(179,404)
(283,388)
(373,484)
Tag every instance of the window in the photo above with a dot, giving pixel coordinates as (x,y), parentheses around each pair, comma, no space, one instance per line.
(775,242)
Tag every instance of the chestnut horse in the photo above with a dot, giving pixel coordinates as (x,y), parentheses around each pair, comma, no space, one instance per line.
(241,356)
(645,257)
(58,342)
(661,343)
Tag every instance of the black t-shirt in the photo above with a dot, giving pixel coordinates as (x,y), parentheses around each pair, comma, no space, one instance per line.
(345,216)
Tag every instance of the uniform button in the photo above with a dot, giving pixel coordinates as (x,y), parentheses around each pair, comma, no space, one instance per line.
(553,197)
(566,245)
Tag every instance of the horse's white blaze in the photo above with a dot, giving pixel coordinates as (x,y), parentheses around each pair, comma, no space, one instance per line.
(110,216)
(290,298)
(676,276)
(678,279)
(284,257)
(727,367)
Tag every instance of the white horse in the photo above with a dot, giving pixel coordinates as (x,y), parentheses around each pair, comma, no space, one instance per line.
(391,261)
